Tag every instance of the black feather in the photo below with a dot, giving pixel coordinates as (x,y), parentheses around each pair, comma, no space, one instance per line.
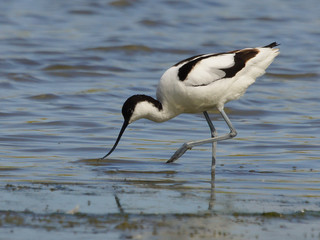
(272,45)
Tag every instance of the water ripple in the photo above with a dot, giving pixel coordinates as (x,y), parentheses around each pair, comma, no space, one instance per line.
(64,77)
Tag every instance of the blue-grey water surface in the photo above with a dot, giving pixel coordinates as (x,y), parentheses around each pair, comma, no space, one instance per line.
(66,67)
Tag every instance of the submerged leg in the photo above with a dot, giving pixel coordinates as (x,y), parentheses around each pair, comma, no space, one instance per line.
(214,144)
(213,163)
(192,144)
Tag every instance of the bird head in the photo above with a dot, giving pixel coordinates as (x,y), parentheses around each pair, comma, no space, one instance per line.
(134,108)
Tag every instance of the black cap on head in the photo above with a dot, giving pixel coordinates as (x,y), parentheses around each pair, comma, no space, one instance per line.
(130,104)
(127,111)
(128,107)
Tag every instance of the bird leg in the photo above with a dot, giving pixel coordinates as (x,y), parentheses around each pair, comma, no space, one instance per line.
(214,144)
(190,145)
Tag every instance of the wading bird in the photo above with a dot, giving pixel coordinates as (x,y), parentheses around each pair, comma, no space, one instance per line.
(199,84)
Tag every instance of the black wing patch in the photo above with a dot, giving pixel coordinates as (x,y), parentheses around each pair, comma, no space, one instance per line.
(186,68)
(240,59)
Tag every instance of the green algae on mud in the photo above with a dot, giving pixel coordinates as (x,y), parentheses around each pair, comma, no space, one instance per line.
(177,226)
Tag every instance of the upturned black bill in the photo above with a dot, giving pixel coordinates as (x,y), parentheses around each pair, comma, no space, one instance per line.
(124,126)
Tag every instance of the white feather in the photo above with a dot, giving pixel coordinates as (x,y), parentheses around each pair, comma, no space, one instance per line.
(205,87)
(209,70)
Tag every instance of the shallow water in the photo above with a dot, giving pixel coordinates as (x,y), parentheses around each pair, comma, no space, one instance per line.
(66,69)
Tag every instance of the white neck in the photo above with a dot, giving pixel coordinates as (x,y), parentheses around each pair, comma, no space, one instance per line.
(149,111)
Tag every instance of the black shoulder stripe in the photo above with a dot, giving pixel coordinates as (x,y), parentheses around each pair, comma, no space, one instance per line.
(240,59)
(187,60)
(186,68)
